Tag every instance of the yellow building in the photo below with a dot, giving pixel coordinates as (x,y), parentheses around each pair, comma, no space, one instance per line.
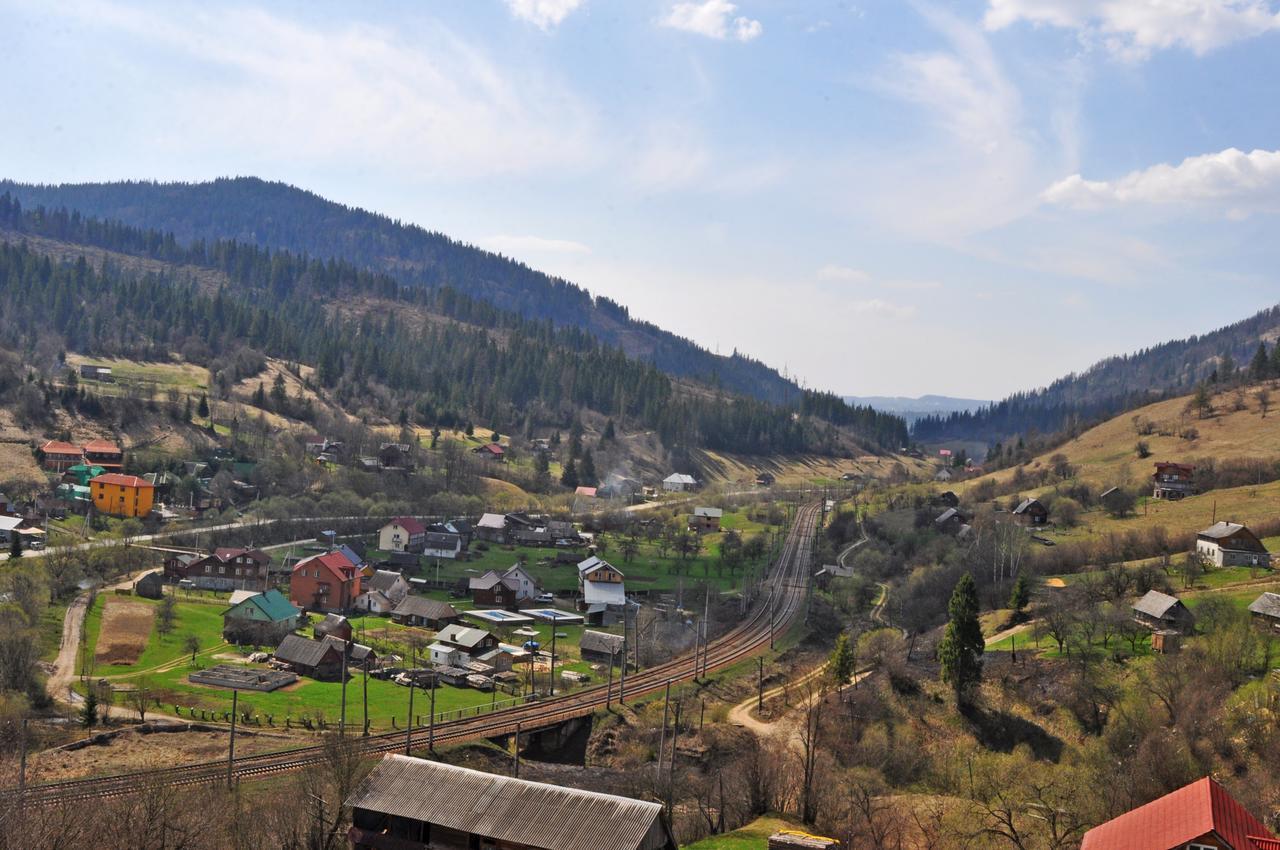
(122,495)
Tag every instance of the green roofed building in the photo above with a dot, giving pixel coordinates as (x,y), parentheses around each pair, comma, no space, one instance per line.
(82,474)
(262,619)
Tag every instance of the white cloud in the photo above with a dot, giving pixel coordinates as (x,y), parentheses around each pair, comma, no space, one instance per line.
(1133,29)
(423,104)
(1229,176)
(544,14)
(714,19)
(515,246)
(881,307)
(834,272)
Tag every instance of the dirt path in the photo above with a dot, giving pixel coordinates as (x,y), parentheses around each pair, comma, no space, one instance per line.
(1010,632)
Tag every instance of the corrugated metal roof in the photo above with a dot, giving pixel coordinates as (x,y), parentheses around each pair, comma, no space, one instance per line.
(1155,604)
(1195,810)
(1268,604)
(517,811)
(462,636)
(593,641)
(427,609)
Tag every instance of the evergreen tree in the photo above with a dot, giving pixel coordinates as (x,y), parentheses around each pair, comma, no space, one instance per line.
(609,433)
(960,651)
(435,438)
(1020,596)
(15,545)
(1275,361)
(89,709)
(587,472)
(569,477)
(260,396)
(202,409)
(186,410)
(278,391)
(1227,368)
(495,437)
(1260,367)
(840,666)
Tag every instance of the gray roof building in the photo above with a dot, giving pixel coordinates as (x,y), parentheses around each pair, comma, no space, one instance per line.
(413,799)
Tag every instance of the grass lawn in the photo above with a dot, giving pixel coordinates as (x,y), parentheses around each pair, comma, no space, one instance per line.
(753,836)
(51,630)
(203,619)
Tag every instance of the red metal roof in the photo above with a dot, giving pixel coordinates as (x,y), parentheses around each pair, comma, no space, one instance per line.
(101,446)
(410,525)
(493,449)
(335,562)
(57,447)
(1167,823)
(122,480)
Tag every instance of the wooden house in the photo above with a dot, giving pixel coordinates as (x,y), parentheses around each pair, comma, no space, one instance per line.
(1160,611)
(424,612)
(1230,544)
(317,659)
(1173,480)
(705,519)
(1265,611)
(260,619)
(1031,512)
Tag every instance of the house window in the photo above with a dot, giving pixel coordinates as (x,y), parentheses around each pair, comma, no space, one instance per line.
(222,570)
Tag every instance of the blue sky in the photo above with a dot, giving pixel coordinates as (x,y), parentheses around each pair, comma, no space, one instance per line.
(880,197)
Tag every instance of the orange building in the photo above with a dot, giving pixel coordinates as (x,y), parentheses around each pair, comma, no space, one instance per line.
(122,495)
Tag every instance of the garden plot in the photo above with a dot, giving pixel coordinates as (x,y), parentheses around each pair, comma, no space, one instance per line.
(126,628)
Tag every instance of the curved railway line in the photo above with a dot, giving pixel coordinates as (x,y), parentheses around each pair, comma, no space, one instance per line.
(788,585)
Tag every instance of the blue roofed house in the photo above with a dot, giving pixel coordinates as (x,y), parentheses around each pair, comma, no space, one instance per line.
(260,619)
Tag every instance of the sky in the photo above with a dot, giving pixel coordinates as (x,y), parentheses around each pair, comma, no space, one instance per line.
(878,197)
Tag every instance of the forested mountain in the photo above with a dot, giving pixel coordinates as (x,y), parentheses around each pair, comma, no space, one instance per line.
(1111,386)
(277,215)
(912,409)
(433,355)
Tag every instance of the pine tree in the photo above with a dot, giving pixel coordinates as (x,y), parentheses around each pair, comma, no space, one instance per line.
(89,709)
(1020,596)
(569,477)
(278,390)
(841,663)
(15,545)
(960,651)
(1260,366)
(202,409)
(588,470)
(186,411)
(609,433)
(260,396)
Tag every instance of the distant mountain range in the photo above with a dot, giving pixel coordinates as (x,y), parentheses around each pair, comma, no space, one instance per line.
(279,216)
(912,409)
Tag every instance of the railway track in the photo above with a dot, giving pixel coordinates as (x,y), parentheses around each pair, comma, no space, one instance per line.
(788,586)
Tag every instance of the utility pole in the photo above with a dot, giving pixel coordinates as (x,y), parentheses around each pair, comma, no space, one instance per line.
(517,756)
(231,751)
(431,728)
(553,655)
(408,723)
(22,764)
(342,717)
(671,776)
(760,684)
(608,694)
(662,740)
(706,607)
(771,618)
(365,669)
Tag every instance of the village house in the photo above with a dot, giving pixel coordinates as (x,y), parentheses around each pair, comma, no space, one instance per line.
(944,474)
(150,586)
(57,456)
(492,528)
(1031,512)
(470,641)
(104,453)
(413,804)
(395,456)
(383,591)
(601,588)
(1173,480)
(491,451)
(324,583)
(601,647)
(503,589)
(93,372)
(705,519)
(332,626)
(424,612)
(317,659)
(436,544)
(122,495)
(402,534)
(225,568)
(1265,611)
(679,482)
(1230,544)
(950,521)
(1162,612)
(1199,816)
(618,486)
(261,619)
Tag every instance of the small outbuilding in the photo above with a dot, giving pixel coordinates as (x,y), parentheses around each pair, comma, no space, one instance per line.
(601,647)
(1266,611)
(150,586)
(1162,612)
(1031,512)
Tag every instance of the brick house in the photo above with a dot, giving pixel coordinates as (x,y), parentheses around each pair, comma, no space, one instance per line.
(325,583)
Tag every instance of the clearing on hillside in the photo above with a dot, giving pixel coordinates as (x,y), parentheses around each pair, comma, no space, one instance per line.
(126,626)
(20,466)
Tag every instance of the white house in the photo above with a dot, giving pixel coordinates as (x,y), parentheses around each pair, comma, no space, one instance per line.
(383,591)
(402,534)
(524,584)
(446,655)
(440,544)
(678,482)
(1230,544)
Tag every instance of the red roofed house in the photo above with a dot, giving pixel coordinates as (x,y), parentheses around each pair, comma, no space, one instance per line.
(402,534)
(326,583)
(105,454)
(1173,480)
(1199,816)
(122,495)
(57,456)
(492,451)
